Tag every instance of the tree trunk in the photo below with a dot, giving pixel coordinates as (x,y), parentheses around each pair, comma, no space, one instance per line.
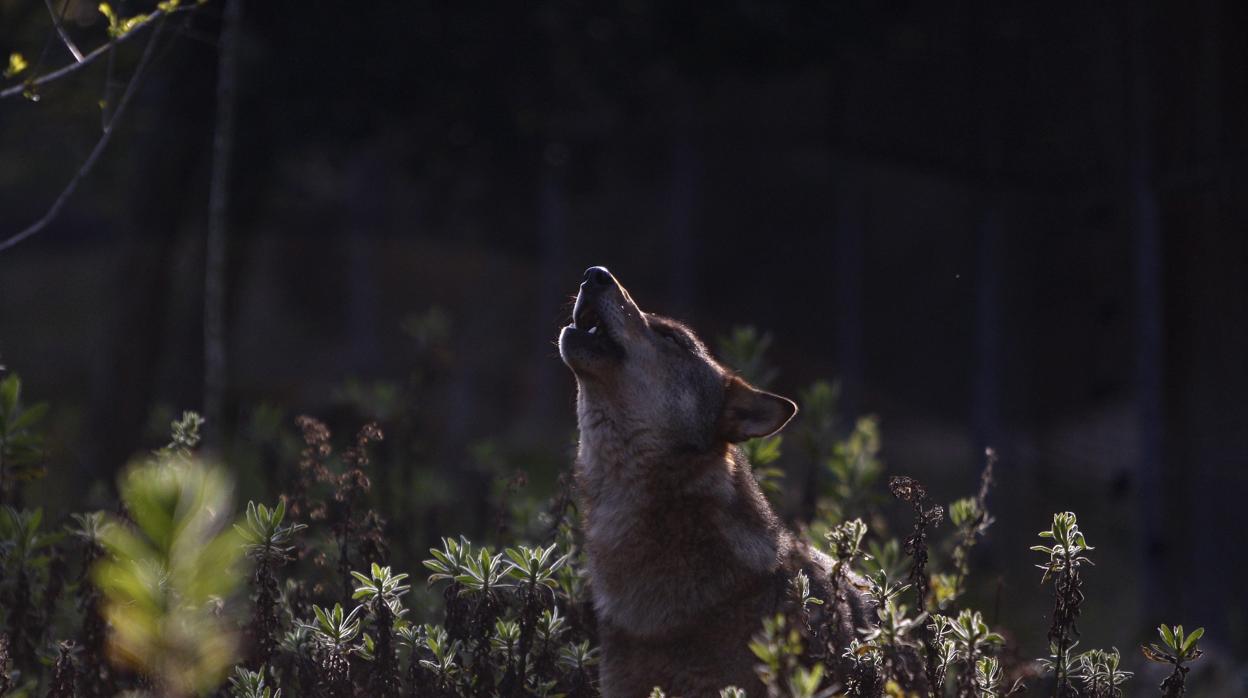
(1145,221)
(217,238)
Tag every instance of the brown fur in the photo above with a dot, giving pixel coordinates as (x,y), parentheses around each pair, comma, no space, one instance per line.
(685,554)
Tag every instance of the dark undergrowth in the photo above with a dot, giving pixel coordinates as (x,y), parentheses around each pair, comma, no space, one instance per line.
(176,590)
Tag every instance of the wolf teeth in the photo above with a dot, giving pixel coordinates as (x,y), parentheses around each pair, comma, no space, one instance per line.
(593,329)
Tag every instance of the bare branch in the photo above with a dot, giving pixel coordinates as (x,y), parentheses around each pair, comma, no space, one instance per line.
(131,89)
(60,30)
(90,58)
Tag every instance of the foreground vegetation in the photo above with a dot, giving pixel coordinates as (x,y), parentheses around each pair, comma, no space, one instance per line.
(179,592)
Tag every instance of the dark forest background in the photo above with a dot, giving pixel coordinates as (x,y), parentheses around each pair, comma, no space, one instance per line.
(995,223)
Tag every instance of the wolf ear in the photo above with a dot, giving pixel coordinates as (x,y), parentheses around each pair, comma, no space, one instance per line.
(750,412)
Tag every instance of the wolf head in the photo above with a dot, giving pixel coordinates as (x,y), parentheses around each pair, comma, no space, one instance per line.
(654,373)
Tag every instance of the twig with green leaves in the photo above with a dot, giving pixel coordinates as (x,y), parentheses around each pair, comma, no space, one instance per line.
(534,570)
(119,30)
(967,641)
(1099,672)
(267,541)
(21,446)
(1066,558)
(779,649)
(333,635)
(971,518)
(1178,650)
(381,592)
(24,551)
(911,491)
(245,683)
(846,548)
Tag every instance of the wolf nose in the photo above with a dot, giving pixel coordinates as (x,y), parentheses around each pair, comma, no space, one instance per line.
(597,276)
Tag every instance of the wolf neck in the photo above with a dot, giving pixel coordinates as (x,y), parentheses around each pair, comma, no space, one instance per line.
(670,535)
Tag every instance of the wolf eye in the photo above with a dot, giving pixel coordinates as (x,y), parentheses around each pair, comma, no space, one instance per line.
(669,335)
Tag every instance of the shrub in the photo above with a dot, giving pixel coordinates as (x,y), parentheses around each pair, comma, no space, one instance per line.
(175,592)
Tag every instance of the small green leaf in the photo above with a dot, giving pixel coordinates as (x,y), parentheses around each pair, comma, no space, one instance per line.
(29,416)
(1167,636)
(10,390)
(17,64)
(1190,642)
(321,617)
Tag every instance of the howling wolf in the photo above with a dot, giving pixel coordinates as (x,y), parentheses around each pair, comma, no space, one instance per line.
(685,554)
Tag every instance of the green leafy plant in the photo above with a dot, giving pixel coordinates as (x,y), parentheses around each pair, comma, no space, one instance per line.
(334,627)
(1066,558)
(267,541)
(867,668)
(381,593)
(166,574)
(854,467)
(885,558)
(441,654)
(894,627)
(988,677)
(846,543)
(971,519)
(184,437)
(1177,650)
(745,349)
(1099,672)
(763,453)
(26,554)
(251,684)
(515,622)
(579,658)
(21,446)
(799,592)
(506,640)
(382,587)
(333,637)
(265,536)
(967,640)
(451,561)
(535,570)
(923,518)
(485,574)
(779,647)
(534,567)
(95,673)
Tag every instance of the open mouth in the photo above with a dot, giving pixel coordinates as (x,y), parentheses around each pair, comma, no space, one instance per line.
(593,341)
(590,327)
(587,319)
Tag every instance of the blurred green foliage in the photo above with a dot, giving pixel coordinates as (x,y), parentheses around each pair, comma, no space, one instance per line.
(21,446)
(172,569)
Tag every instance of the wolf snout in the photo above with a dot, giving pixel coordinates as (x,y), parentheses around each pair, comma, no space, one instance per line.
(597,278)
